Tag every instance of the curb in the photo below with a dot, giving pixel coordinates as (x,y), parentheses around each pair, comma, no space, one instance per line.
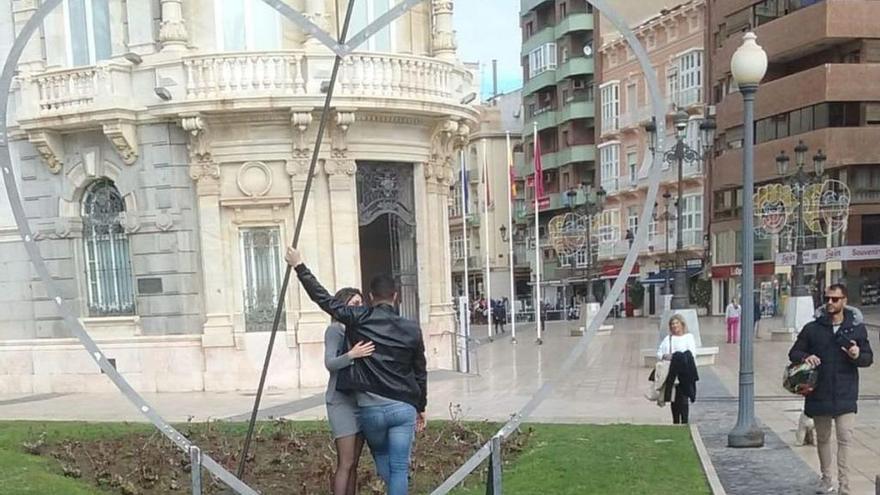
(711,475)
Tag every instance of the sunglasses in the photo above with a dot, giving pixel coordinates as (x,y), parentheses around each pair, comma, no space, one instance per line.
(833,299)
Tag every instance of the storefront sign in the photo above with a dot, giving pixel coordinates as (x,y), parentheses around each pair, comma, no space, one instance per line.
(735,271)
(612,271)
(843,253)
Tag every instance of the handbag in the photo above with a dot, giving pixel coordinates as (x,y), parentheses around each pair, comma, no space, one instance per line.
(800,378)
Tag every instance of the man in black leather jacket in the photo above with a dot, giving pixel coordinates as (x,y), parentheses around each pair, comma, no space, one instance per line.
(390,385)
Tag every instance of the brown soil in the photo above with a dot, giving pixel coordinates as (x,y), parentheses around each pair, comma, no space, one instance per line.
(287,458)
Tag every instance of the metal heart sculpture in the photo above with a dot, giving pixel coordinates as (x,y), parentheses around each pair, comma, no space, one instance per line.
(345,48)
(71,314)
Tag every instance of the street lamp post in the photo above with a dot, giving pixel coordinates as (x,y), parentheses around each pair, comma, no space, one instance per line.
(666,216)
(749,64)
(594,201)
(679,155)
(799,181)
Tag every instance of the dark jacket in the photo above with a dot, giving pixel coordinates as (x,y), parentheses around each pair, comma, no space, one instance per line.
(684,368)
(837,390)
(396,369)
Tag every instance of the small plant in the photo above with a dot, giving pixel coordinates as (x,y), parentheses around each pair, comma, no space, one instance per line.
(636,294)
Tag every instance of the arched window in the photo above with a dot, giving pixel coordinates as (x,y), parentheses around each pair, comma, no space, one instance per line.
(108,261)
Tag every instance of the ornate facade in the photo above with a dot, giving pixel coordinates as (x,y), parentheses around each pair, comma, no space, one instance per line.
(204,126)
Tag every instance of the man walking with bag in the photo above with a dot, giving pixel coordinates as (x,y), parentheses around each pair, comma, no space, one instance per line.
(837,345)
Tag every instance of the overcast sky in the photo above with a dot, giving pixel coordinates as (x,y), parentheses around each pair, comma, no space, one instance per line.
(486,30)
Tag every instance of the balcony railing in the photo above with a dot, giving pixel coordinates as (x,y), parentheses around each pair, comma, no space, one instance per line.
(77,90)
(611,185)
(294,73)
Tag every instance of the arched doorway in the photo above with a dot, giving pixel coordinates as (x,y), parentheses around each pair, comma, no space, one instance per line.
(387,222)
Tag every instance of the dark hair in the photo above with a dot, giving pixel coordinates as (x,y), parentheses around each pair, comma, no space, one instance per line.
(346,294)
(383,287)
(842,288)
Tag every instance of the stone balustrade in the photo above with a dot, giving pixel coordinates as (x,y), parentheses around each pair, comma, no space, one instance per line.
(244,75)
(71,91)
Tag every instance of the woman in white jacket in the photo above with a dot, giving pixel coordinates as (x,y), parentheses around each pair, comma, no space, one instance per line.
(678,340)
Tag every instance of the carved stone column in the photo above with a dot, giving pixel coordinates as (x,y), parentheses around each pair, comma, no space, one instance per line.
(312,320)
(172,30)
(438,175)
(218,327)
(341,170)
(316,12)
(32,57)
(443,35)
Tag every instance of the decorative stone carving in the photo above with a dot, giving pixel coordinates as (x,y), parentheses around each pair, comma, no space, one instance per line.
(123,137)
(340,166)
(131,222)
(50,147)
(299,167)
(172,29)
(301,120)
(344,120)
(202,168)
(67,227)
(254,179)
(164,221)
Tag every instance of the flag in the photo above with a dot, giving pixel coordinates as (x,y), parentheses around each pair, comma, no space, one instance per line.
(539,171)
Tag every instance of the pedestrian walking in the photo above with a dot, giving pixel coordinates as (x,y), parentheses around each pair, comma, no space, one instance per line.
(836,343)
(390,386)
(731,315)
(342,407)
(677,354)
(757,315)
(499,316)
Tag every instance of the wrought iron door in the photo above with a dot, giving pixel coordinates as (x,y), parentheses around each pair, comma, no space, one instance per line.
(260,258)
(385,194)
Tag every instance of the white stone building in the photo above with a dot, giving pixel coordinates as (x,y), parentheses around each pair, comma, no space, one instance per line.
(162,148)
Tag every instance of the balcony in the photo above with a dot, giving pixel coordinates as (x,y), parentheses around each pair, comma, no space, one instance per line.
(77,98)
(575,22)
(577,153)
(611,185)
(234,78)
(528,5)
(546,118)
(584,109)
(542,37)
(539,81)
(844,146)
(612,250)
(611,126)
(827,82)
(575,66)
(865,196)
(808,30)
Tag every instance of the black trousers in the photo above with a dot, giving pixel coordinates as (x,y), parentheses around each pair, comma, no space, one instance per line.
(680,407)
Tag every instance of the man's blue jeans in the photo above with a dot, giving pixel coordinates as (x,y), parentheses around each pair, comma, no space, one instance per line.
(389,431)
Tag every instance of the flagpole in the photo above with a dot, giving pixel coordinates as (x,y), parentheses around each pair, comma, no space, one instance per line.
(510,238)
(467,292)
(538,305)
(488,282)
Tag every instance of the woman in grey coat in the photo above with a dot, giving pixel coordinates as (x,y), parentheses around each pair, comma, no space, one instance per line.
(341,407)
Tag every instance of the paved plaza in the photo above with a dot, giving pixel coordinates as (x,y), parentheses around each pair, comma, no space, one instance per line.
(607,387)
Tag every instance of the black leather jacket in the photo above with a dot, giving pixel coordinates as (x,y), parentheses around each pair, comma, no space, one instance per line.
(397,368)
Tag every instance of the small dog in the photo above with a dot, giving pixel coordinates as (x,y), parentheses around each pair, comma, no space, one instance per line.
(806,431)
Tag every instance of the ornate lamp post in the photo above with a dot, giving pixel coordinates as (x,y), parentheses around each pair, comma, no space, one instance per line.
(682,154)
(593,203)
(666,216)
(749,64)
(799,181)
